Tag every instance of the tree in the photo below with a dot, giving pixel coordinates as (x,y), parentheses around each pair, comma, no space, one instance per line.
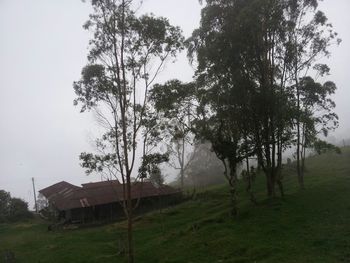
(250,55)
(42,202)
(18,210)
(308,35)
(12,209)
(126,54)
(205,168)
(156,177)
(173,102)
(5,200)
(239,69)
(316,114)
(323,147)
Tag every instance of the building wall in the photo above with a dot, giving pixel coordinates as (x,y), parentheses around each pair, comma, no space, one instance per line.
(114,211)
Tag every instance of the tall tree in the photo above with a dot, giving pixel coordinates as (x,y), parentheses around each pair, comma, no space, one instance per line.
(309,35)
(174,102)
(253,52)
(126,54)
(240,57)
(317,115)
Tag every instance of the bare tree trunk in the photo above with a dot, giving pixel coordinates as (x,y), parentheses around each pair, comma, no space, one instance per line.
(303,153)
(300,178)
(233,188)
(269,173)
(273,161)
(183,163)
(249,186)
(303,163)
(279,166)
(129,219)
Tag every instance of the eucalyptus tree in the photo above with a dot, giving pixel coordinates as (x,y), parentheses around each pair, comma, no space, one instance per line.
(239,52)
(259,50)
(126,54)
(221,125)
(175,104)
(205,168)
(316,114)
(225,90)
(309,35)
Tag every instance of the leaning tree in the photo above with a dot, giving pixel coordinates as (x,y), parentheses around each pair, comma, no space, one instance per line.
(126,54)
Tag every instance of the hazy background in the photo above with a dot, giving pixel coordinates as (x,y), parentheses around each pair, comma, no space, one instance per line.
(43,48)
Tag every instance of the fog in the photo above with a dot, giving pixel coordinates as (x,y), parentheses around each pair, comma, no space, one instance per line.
(43,48)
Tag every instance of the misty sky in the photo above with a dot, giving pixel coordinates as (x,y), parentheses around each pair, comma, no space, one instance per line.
(43,48)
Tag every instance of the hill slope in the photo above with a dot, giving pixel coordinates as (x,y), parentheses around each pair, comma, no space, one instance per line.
(307,226)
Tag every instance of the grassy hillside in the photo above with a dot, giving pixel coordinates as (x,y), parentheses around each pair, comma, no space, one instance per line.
(308,226)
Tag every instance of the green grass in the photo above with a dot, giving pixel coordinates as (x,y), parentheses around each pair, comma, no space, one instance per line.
(307,226)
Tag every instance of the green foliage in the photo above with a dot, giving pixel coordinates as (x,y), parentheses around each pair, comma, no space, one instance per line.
(173,97)
(18,210)
(150,166)
(250,55)
(316,110)
(97,163)
(174,103)
(126,54)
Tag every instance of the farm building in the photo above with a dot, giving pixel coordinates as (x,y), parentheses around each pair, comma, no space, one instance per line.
(101,200)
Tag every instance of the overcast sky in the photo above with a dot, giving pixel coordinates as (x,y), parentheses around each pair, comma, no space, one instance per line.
(42,51)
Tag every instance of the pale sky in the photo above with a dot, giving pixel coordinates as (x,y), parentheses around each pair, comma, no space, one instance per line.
(43,48)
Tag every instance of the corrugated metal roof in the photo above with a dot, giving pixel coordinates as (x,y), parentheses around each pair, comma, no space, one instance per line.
(59,194)
(98,184)
(65,196)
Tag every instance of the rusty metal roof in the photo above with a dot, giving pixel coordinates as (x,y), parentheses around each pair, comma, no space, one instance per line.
(59,194)
(65,196)
(98,184)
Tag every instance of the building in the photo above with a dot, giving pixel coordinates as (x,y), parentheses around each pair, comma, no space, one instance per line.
(103,200)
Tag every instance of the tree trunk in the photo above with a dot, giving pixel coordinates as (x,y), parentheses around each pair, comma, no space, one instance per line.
(300,178)
(182,164)
(269,174)
(233,188)
(129,219)
(303,153)
(273,161)
(279,167)
(249,186)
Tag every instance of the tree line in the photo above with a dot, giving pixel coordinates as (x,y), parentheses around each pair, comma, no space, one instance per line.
(257,91)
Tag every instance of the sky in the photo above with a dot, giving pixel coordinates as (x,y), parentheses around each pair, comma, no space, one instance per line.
(43,48)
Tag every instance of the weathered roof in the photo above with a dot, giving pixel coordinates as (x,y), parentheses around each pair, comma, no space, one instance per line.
(59,194)
(65,196)
(98,184)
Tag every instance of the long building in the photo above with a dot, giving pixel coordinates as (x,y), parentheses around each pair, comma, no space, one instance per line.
(103,200)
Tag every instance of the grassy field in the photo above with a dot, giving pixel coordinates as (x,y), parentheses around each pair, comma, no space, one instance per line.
(307,226)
